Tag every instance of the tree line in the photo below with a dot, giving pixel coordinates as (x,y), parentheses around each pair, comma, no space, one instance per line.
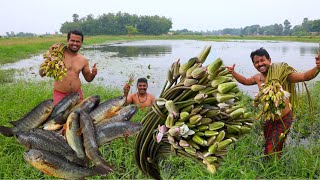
(127,24)
(307,27)
(118,24)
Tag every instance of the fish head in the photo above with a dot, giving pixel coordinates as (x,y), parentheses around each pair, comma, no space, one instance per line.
(128,111)
(118,101)
(135,127)
(95,99)
(33,155)
(75,98)
(48,104)
(91,102)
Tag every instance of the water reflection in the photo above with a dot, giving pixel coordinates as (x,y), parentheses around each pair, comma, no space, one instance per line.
(115,62)
(132,51)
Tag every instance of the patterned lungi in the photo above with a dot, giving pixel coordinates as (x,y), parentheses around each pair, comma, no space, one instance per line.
(272,131)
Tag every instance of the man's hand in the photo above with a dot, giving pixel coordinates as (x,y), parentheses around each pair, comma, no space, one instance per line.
(94,70)
(126,89)
(231,68)
(53,47)
(318,61)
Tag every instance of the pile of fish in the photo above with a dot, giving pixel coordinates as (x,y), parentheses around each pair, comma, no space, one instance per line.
(63,140)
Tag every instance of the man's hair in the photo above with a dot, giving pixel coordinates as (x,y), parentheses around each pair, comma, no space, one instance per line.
(259,52)
(142,80)
(76,32)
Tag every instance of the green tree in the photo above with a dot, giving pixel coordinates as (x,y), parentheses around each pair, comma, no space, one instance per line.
(131,30)
(75,17)
(315,26)
(287,27)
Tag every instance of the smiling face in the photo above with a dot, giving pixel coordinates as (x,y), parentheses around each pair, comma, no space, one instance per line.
(74,42)
(142,87)
(261,63)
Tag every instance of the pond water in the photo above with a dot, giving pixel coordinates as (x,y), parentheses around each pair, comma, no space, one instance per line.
(115,62)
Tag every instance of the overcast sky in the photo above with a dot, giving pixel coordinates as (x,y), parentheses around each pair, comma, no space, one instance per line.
(41,16)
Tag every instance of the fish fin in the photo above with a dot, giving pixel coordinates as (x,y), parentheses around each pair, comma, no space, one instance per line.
(79,132)
(64,129)
(6,131)
(14,123)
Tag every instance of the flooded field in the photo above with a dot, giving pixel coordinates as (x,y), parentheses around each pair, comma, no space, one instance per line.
(117,61)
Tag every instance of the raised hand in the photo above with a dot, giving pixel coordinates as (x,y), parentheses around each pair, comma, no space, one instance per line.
(94,70)
(231,68)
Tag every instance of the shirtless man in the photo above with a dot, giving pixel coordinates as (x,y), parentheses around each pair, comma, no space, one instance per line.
(140,98)
(75,63)
(272,129)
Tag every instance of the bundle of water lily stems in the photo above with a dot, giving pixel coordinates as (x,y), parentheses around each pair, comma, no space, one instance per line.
(197,116)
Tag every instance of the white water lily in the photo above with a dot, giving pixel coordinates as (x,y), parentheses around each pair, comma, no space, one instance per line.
(161,102)
(190,132)
(183,129)
(223,105)
(162,129)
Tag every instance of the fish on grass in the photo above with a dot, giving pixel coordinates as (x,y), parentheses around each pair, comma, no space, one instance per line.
(124,114)
(46,140)
(108,108)
(74,139)
(31,120)
(61,111)
(113,130)
(58,166)
(90,144)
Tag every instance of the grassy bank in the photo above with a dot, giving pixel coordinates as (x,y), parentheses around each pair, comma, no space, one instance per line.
(244,161)
(14,49)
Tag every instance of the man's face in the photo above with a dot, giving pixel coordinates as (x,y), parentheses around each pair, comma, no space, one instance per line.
(261,63)
(74,43)
(142,87)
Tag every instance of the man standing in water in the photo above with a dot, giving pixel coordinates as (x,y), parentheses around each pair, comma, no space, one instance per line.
(75,63)
(274,129)
(140,98)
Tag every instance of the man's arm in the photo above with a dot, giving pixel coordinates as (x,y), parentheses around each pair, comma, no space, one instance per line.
(305,76)
(129,99)
(153,99)
(87,74)
(241,79)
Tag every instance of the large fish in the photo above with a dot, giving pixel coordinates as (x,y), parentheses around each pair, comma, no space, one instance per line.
(124,114)
(57,166)
(46,140)
(87,104)
(113,130)
(108,108)
(61,111)
(31,120)
(73,138)
(89,142)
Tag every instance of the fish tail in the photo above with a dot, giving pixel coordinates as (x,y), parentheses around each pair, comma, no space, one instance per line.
(104,168)
(6,131)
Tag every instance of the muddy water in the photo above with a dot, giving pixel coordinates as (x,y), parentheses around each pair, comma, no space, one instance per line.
(117,61)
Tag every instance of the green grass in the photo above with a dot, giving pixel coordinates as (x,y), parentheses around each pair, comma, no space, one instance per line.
(245,158)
